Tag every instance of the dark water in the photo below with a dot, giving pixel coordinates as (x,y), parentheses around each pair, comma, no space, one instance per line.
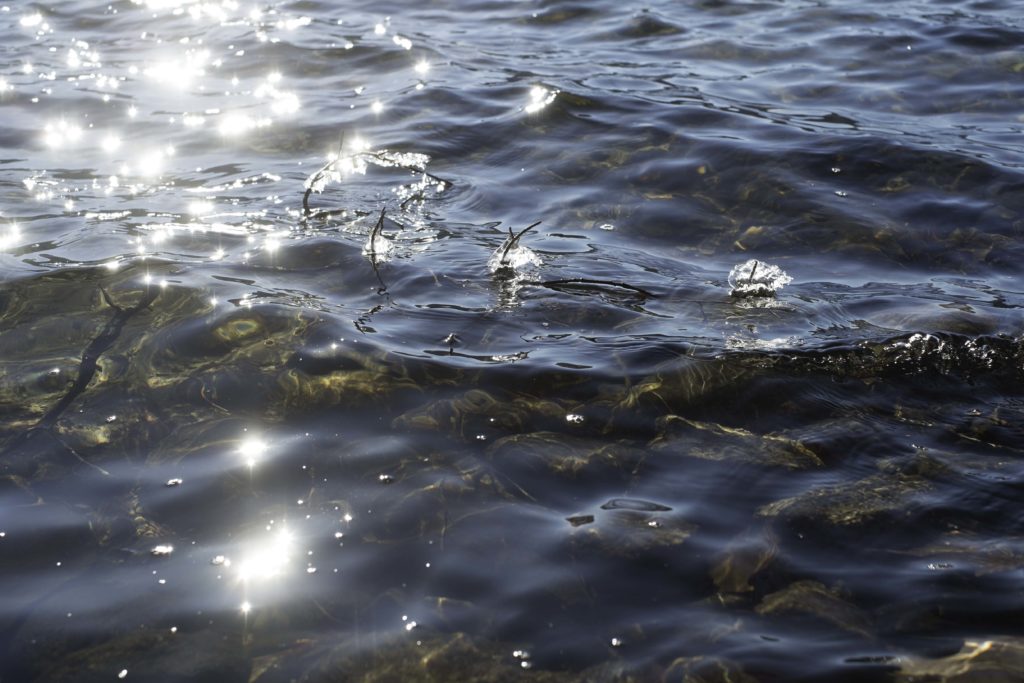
(235,446)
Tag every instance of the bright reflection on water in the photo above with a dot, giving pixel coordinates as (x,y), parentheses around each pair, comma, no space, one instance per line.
(265,558)
(251,450)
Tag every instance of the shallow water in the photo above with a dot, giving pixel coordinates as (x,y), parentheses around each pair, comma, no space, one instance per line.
(244,439)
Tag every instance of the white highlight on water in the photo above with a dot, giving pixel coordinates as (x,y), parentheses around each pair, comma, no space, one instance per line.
(757,278)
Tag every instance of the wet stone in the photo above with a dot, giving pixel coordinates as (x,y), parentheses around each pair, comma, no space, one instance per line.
(478,413)
(707,441)
(743,558)
(811,598)
(147,655)
(426,656)
(869,500)
(550,453)
(999,660)
(705,670)
(630,533)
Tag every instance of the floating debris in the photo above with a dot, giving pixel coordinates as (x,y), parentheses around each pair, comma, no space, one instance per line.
(176,481)
(756,278)
(580,520)
(378,246)
(163,549)
(512,256)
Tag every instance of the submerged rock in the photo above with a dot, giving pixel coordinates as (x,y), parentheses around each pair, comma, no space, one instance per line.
(705,670)
(813,599)
(709,441)
(427,657)
(853,504)
(477,414)
(628,528)
(744,558)
(1000,660)
(547,453)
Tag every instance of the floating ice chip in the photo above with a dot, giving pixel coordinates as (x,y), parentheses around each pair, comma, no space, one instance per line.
(164,549)
(377,245)
(512,255)
(756,278)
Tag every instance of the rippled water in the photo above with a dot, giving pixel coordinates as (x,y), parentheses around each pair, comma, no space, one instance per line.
(282,397)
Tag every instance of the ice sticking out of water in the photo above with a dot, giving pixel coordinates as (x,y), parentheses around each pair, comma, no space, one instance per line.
(378,247)
(516,259)
(512,255)
(756,278)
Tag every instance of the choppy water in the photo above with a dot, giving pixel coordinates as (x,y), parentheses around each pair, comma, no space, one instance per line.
(243,441)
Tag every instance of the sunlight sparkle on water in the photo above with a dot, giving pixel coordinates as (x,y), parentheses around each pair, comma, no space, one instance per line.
(61,135)
(235,124)
(111,143)
(179,72)
(9,237)
(267,558)
(200,207)
(282,102)
(422,66)
(151,163)
(251,449)
(540,97)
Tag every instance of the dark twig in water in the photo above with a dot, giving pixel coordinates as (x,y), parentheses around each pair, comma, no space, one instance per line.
(386,161)
(86,371)
(371,251)
(753,270)
(418,197)
(316,178)
(371,248)
(587,283)
(103,341)
(513,240)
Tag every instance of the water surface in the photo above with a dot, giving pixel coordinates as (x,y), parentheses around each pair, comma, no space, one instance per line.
(245,437)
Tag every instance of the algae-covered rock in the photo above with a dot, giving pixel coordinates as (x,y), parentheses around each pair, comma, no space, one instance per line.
(743,558)
(158,657)
(872,498)
(709,441)
(428,657)
(570,457)
(810,598)
(999,660)
(478,414)
(627,527)
(701,669)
